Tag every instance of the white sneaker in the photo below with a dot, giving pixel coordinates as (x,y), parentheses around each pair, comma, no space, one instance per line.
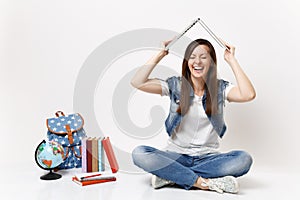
(224,184)
(158,182)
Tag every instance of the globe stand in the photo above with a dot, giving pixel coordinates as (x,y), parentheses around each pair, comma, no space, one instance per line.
(50,176)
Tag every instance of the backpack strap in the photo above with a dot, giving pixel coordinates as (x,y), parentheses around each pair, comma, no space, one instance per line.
(80,151)
(66,154)
(69,132)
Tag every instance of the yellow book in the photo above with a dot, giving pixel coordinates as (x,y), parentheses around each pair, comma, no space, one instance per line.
(95,159)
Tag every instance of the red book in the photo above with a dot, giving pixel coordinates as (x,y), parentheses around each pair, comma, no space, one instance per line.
(89,155)
(91,182)
(110,155)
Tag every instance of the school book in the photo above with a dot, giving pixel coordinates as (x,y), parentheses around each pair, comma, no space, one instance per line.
(91,182)
(110,154)
(101,158)
(89,155)
(95,159)
(83,154)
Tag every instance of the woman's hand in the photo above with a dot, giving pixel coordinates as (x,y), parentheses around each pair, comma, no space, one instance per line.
(164,44)
(229,52)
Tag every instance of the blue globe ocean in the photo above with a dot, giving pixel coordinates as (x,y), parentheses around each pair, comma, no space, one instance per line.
(49,155)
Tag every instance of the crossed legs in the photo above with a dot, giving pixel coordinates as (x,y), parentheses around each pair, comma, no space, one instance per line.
(188,171)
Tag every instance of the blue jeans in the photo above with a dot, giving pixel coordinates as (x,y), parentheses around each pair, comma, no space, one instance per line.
(184,170)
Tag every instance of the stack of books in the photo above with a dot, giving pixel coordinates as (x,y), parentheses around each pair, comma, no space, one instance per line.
(93,161)
(92,155)
(92,178)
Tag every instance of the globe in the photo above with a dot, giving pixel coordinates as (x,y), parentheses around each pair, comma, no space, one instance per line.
(48,156)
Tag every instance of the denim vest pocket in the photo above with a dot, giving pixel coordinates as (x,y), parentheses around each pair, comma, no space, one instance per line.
(172,121)
(175,102)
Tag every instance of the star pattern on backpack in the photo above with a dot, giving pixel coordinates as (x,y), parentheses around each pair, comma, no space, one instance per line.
(58,125)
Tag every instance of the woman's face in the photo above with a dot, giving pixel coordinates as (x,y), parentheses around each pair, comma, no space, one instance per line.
(199,61)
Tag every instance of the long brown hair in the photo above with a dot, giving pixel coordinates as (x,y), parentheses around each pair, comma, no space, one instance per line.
(211,82)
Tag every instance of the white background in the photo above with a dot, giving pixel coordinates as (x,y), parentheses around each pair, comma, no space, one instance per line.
(43,45)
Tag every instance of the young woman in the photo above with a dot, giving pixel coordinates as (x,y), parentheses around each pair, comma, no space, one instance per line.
(195,122)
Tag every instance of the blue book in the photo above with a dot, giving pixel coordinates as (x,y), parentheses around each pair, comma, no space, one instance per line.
(101,164)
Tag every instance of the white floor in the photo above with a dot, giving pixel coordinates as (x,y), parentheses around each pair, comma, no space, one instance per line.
(26,184)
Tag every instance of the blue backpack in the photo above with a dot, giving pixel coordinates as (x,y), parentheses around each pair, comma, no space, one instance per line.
(67,131)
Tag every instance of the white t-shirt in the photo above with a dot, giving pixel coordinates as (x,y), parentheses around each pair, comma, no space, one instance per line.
(195,135)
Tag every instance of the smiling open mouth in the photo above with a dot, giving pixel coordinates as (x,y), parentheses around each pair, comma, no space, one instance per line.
(198,69)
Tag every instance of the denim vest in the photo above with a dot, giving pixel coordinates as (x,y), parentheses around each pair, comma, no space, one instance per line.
(174,118)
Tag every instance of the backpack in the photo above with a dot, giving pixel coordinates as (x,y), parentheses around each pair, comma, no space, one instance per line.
(67,131)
